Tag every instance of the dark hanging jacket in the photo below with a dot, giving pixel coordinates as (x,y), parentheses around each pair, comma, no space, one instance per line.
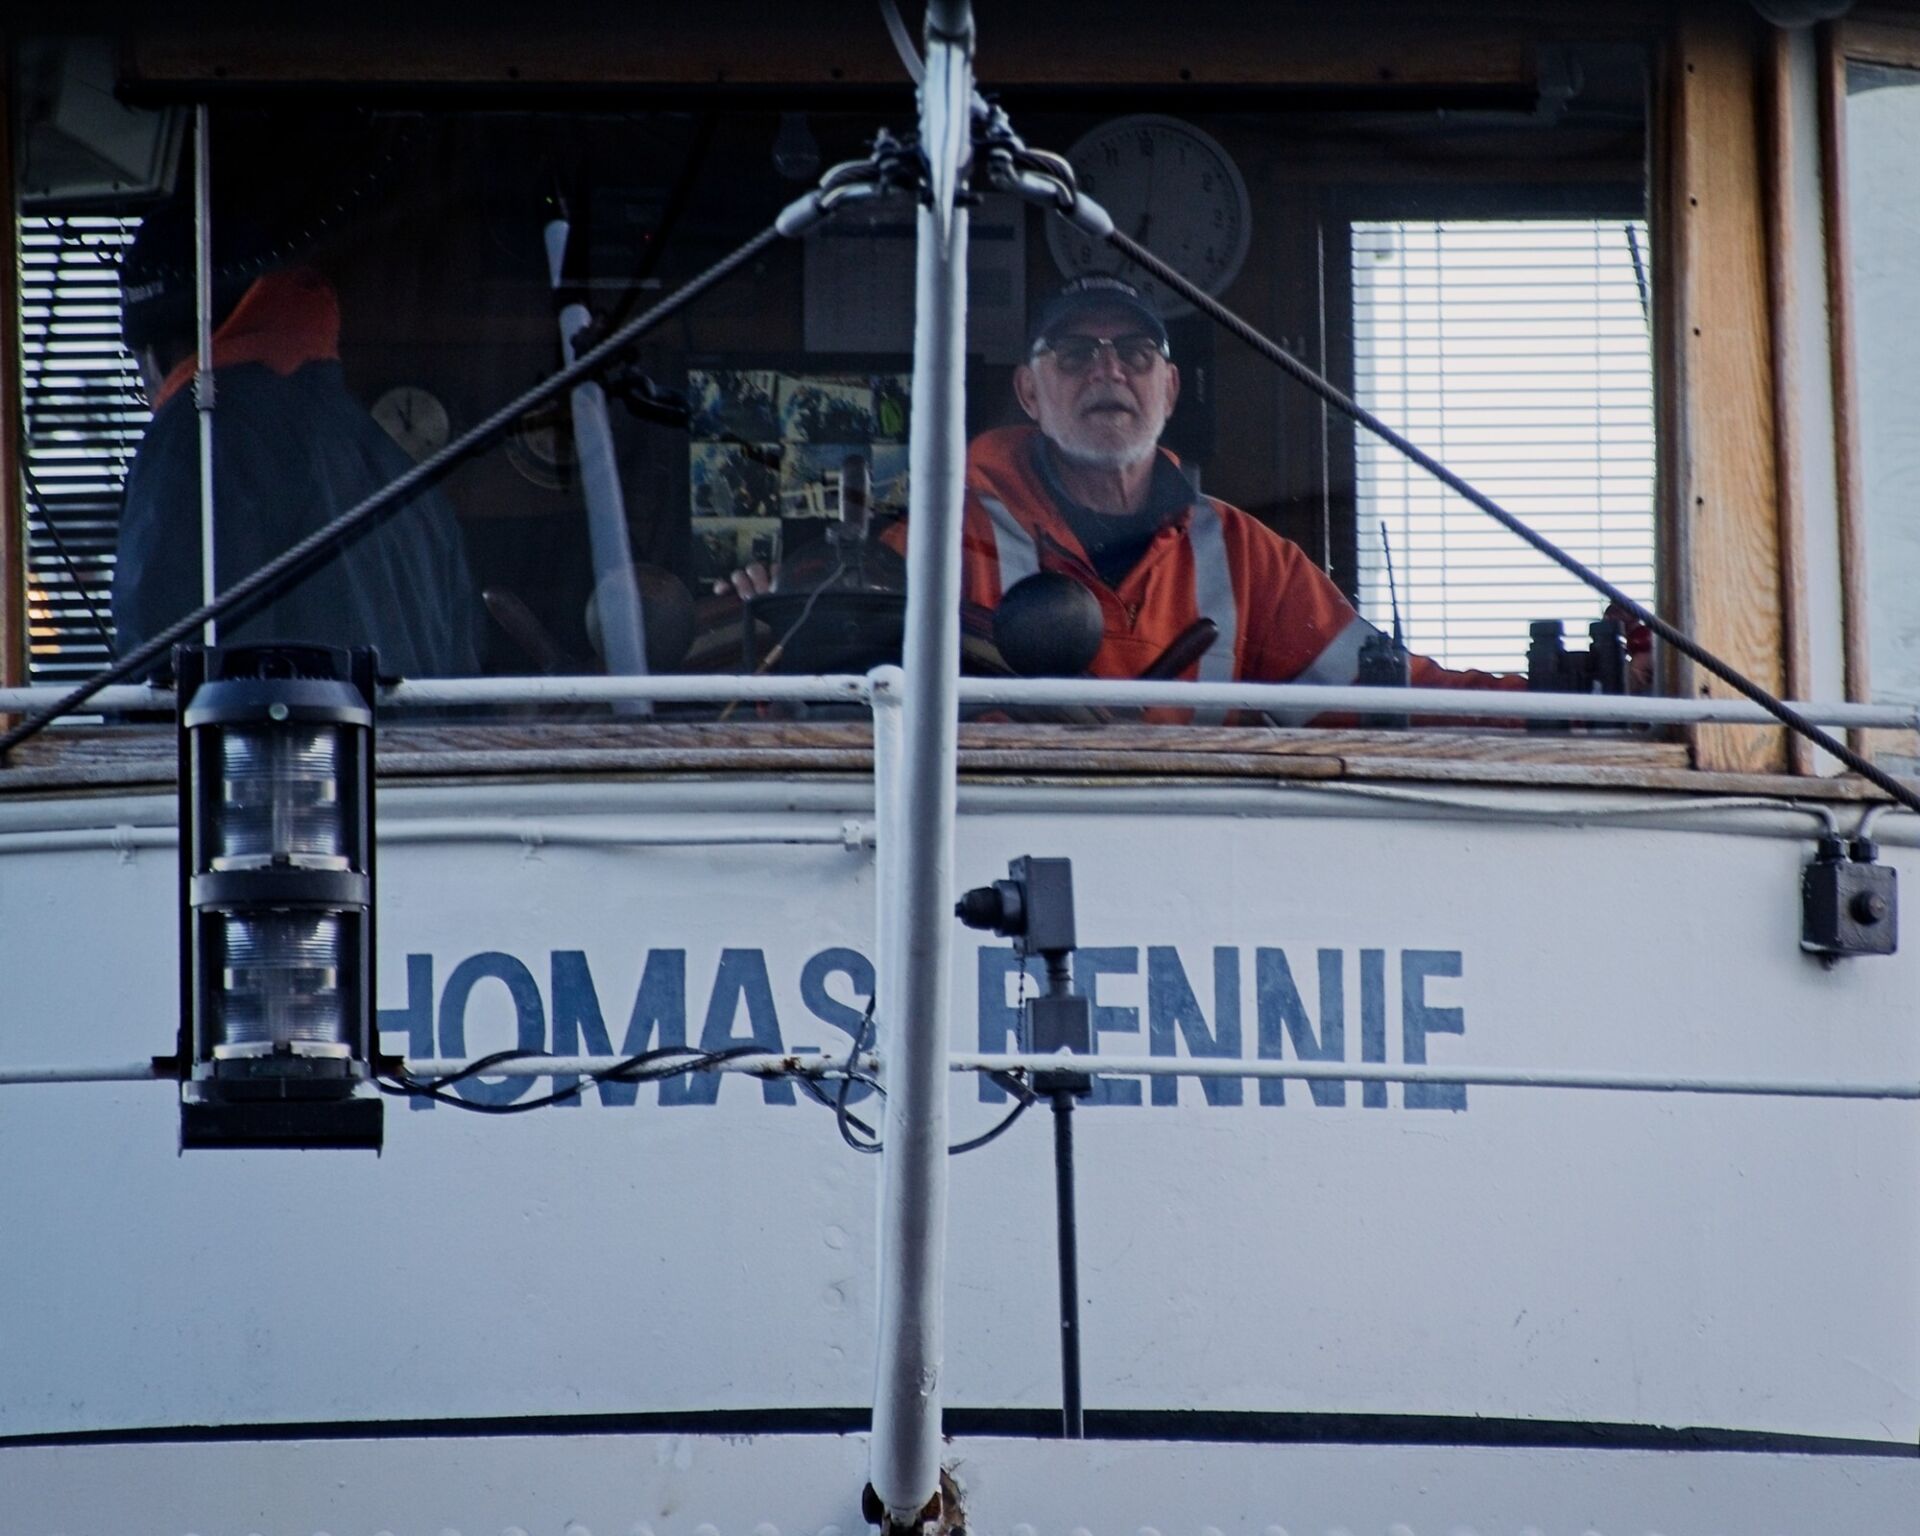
(292,449)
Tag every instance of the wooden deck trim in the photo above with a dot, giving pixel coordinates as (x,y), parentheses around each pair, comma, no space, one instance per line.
(142,757)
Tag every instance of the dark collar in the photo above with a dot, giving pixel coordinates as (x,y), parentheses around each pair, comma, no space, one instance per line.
(1169,494)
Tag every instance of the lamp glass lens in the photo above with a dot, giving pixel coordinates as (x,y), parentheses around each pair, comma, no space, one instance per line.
(282,979)
(280,797)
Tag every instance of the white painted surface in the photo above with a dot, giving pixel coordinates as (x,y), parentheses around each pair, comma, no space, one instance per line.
(617,1485)
(1883,142)
(1746,1265)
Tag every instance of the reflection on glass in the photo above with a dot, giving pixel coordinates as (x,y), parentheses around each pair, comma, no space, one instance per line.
(389,273)
(1883,206)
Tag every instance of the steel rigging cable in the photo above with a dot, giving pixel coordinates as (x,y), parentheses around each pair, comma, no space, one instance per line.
(358,519)
(850,181)
(1048,179)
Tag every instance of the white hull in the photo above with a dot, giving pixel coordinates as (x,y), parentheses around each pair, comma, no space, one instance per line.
(632,1485)
(1590,1264)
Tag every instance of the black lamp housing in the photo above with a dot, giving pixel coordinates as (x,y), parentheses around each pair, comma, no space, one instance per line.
(276,897)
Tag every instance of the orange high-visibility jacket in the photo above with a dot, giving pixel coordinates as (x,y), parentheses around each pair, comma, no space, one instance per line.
(1280,619)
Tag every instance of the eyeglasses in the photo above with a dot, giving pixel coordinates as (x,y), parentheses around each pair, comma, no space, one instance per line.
(1137,352)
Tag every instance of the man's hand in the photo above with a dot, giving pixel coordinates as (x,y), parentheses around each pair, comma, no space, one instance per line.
(753,580)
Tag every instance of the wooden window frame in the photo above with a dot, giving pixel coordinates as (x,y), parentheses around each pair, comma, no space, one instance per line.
(1869,39)
(13,516)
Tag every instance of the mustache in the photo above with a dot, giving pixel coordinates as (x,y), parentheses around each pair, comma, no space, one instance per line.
(1105,398)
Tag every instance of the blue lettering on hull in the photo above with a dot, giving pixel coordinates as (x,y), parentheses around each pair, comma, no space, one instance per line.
(1190,1010)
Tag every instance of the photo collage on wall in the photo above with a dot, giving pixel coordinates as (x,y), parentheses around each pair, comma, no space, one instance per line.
(768,447)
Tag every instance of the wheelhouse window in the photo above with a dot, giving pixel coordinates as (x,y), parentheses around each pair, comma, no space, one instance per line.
(84,415)
(1518,352)
(1882,121)
(1470,263)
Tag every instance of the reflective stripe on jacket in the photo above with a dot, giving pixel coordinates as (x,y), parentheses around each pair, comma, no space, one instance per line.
(1280,618)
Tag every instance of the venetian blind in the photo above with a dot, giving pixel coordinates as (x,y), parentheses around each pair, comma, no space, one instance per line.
(84,415)
(1517,353)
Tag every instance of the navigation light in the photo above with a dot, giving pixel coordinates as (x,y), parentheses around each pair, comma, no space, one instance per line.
(276,875)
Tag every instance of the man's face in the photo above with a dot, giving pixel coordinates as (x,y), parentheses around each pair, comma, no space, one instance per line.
(1104,416)
(153,370)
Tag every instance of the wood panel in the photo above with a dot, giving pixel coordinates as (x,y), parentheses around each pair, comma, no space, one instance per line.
(131,756)
(1724,482)
(732,42)
(1405,46)
(1878,35)
(1779,160)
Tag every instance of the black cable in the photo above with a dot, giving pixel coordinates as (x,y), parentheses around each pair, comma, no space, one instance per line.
(1678,639)
(80,585)
(1025,1099)
(297,559)
(779,646)
(647,1067)
(1639,276)
(841,1118)
(849,1123)
(671,211)
(678,1061)
(819,1096)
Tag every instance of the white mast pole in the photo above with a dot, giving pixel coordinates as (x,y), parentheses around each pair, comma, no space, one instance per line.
(623,631)
(917,942)
(203,350)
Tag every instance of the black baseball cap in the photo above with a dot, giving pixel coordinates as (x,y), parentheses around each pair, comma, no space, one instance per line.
(157,284)
(1093,291)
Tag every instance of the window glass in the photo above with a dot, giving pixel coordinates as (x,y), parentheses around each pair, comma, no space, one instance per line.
(387,275)
(1518,353)
(1883,144)
(84,415)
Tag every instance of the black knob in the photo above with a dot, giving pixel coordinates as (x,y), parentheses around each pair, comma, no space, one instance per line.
(1048,625)
(998,908)
(1868,908)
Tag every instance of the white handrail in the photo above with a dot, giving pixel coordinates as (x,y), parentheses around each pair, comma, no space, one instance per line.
(1295,699)
(1309,699)
(1487,1077)
(805,1064)
(851,834)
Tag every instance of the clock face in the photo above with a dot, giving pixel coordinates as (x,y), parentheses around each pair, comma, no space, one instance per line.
(541,446)
(414,419)
(1172,188)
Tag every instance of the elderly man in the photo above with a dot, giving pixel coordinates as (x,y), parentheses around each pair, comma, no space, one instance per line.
(1087,491)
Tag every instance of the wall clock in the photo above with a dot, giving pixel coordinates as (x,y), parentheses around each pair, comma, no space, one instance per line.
(1172,188)
(415,419)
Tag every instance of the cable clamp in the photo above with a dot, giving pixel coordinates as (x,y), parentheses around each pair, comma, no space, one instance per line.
(896,165)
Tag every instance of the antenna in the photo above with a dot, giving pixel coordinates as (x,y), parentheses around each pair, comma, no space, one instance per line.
(1393,597)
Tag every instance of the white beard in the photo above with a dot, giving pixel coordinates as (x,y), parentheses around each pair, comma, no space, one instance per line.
(1078,446)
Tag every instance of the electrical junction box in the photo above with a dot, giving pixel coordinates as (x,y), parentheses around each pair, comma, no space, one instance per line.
(1848,907)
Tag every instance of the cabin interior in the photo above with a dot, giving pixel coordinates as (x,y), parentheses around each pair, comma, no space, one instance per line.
(1636,269)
